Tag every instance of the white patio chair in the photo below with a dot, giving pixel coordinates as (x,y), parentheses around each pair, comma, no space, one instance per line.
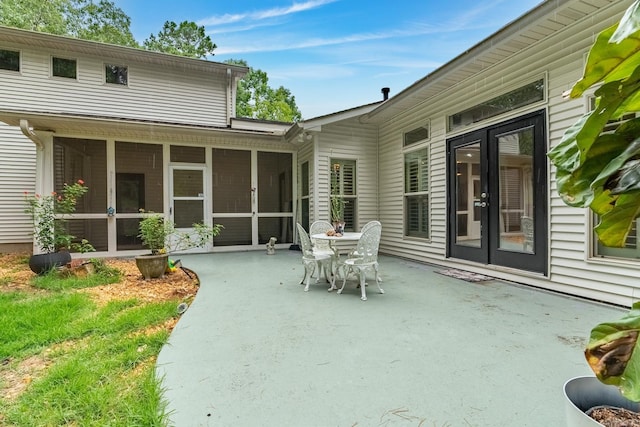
(365,257)
(322,246)
(312,260)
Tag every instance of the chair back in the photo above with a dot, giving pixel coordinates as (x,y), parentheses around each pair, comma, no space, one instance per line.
(527,230)
(320,227)
(305,241)
(368,244)
(370,224)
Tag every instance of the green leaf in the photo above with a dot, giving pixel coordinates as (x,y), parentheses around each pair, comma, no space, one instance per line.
(614,226)
(614,54)
(611,353)
(576,188)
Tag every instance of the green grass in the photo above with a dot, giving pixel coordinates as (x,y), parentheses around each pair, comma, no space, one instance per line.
(100,365)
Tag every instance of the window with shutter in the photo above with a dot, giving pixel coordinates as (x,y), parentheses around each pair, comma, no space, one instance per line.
(416,193)
(343,187)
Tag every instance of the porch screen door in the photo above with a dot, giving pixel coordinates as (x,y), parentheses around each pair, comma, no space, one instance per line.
(497,195)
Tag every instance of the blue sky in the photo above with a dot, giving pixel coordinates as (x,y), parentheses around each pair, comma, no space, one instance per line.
(334,54)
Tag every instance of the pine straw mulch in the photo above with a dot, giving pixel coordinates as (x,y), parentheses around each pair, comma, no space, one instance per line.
(15,275)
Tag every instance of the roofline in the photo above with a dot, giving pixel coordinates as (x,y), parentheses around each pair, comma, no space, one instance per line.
(479,48)
(52,41)
(338,116)
(13,118)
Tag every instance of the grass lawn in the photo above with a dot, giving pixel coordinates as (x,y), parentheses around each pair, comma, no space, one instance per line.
(69,358)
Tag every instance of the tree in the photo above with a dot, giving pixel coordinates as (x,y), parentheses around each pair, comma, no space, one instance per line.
(187,39)
(84,19)
(103,22)
(256,99)
(35,15)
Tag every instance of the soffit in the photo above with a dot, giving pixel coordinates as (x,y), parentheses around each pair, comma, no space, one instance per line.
(541,22)
(109,127)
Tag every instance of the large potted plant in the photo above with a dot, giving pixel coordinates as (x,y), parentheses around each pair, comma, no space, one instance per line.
(601,170)
(160,236)
(49,215)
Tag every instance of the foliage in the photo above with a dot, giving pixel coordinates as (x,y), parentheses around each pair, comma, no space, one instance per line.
(186,39)
(598,169)
(336,199)
(601,170)
(48,214)
(101,21)
(257,100)
(54,281)
(161,236)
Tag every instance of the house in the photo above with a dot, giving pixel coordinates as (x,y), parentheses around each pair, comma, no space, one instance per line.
(454,166)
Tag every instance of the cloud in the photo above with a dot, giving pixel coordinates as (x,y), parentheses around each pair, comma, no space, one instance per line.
(276,12)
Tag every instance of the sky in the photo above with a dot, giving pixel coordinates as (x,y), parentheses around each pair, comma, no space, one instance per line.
(334,55)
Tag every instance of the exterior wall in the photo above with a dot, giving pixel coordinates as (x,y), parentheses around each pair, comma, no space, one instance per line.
(560,58)
(153,93)
(17,175)
(348,139)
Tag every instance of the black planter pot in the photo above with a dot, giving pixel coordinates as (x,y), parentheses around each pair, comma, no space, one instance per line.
(584,393)
(42,263)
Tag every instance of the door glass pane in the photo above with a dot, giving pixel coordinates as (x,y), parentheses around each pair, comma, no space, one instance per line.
(231,181)
(187,183)
(188,212)
(468,230)
(516,190)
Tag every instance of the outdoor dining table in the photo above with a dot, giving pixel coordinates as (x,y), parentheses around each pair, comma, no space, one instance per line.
(347,236)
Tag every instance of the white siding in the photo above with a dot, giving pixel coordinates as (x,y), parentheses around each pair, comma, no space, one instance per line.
(348,139)
(561,59)
(153,93)
(17,175)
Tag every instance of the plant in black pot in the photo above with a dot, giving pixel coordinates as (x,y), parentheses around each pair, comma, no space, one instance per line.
(161,237)
(600,169)
(49,215)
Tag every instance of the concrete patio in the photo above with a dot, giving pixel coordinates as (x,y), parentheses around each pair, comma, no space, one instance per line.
(255,350)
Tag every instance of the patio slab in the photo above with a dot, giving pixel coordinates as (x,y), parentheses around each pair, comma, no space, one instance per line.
(254,349)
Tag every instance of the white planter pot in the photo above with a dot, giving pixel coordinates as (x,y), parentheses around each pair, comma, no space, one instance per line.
(584,393)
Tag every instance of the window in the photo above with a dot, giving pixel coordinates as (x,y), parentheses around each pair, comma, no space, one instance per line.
(521,97)
(416,135)
(9,60)
(631,249)
(343,186)
(62,67)
(416,193)
(304,194)
(116,74)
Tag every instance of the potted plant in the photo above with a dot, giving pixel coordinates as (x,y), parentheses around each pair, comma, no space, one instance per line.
(160,236)
(49,214)
(336,201)
(601,170)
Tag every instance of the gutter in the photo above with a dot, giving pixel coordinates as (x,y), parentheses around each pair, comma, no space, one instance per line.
(29,133)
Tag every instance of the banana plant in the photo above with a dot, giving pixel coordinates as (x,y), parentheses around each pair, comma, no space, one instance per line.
(599,169)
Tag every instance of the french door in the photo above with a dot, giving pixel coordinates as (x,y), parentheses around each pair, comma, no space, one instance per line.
(497,195)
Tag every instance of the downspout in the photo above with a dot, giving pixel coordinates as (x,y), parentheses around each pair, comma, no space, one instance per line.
(26,130)
(230,111)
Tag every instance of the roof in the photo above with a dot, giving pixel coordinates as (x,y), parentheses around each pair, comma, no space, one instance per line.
(540,22)
(111,51)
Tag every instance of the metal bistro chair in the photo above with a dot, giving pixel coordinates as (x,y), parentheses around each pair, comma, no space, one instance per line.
(364,257)
(527,230)
(312,260)
(323,246)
